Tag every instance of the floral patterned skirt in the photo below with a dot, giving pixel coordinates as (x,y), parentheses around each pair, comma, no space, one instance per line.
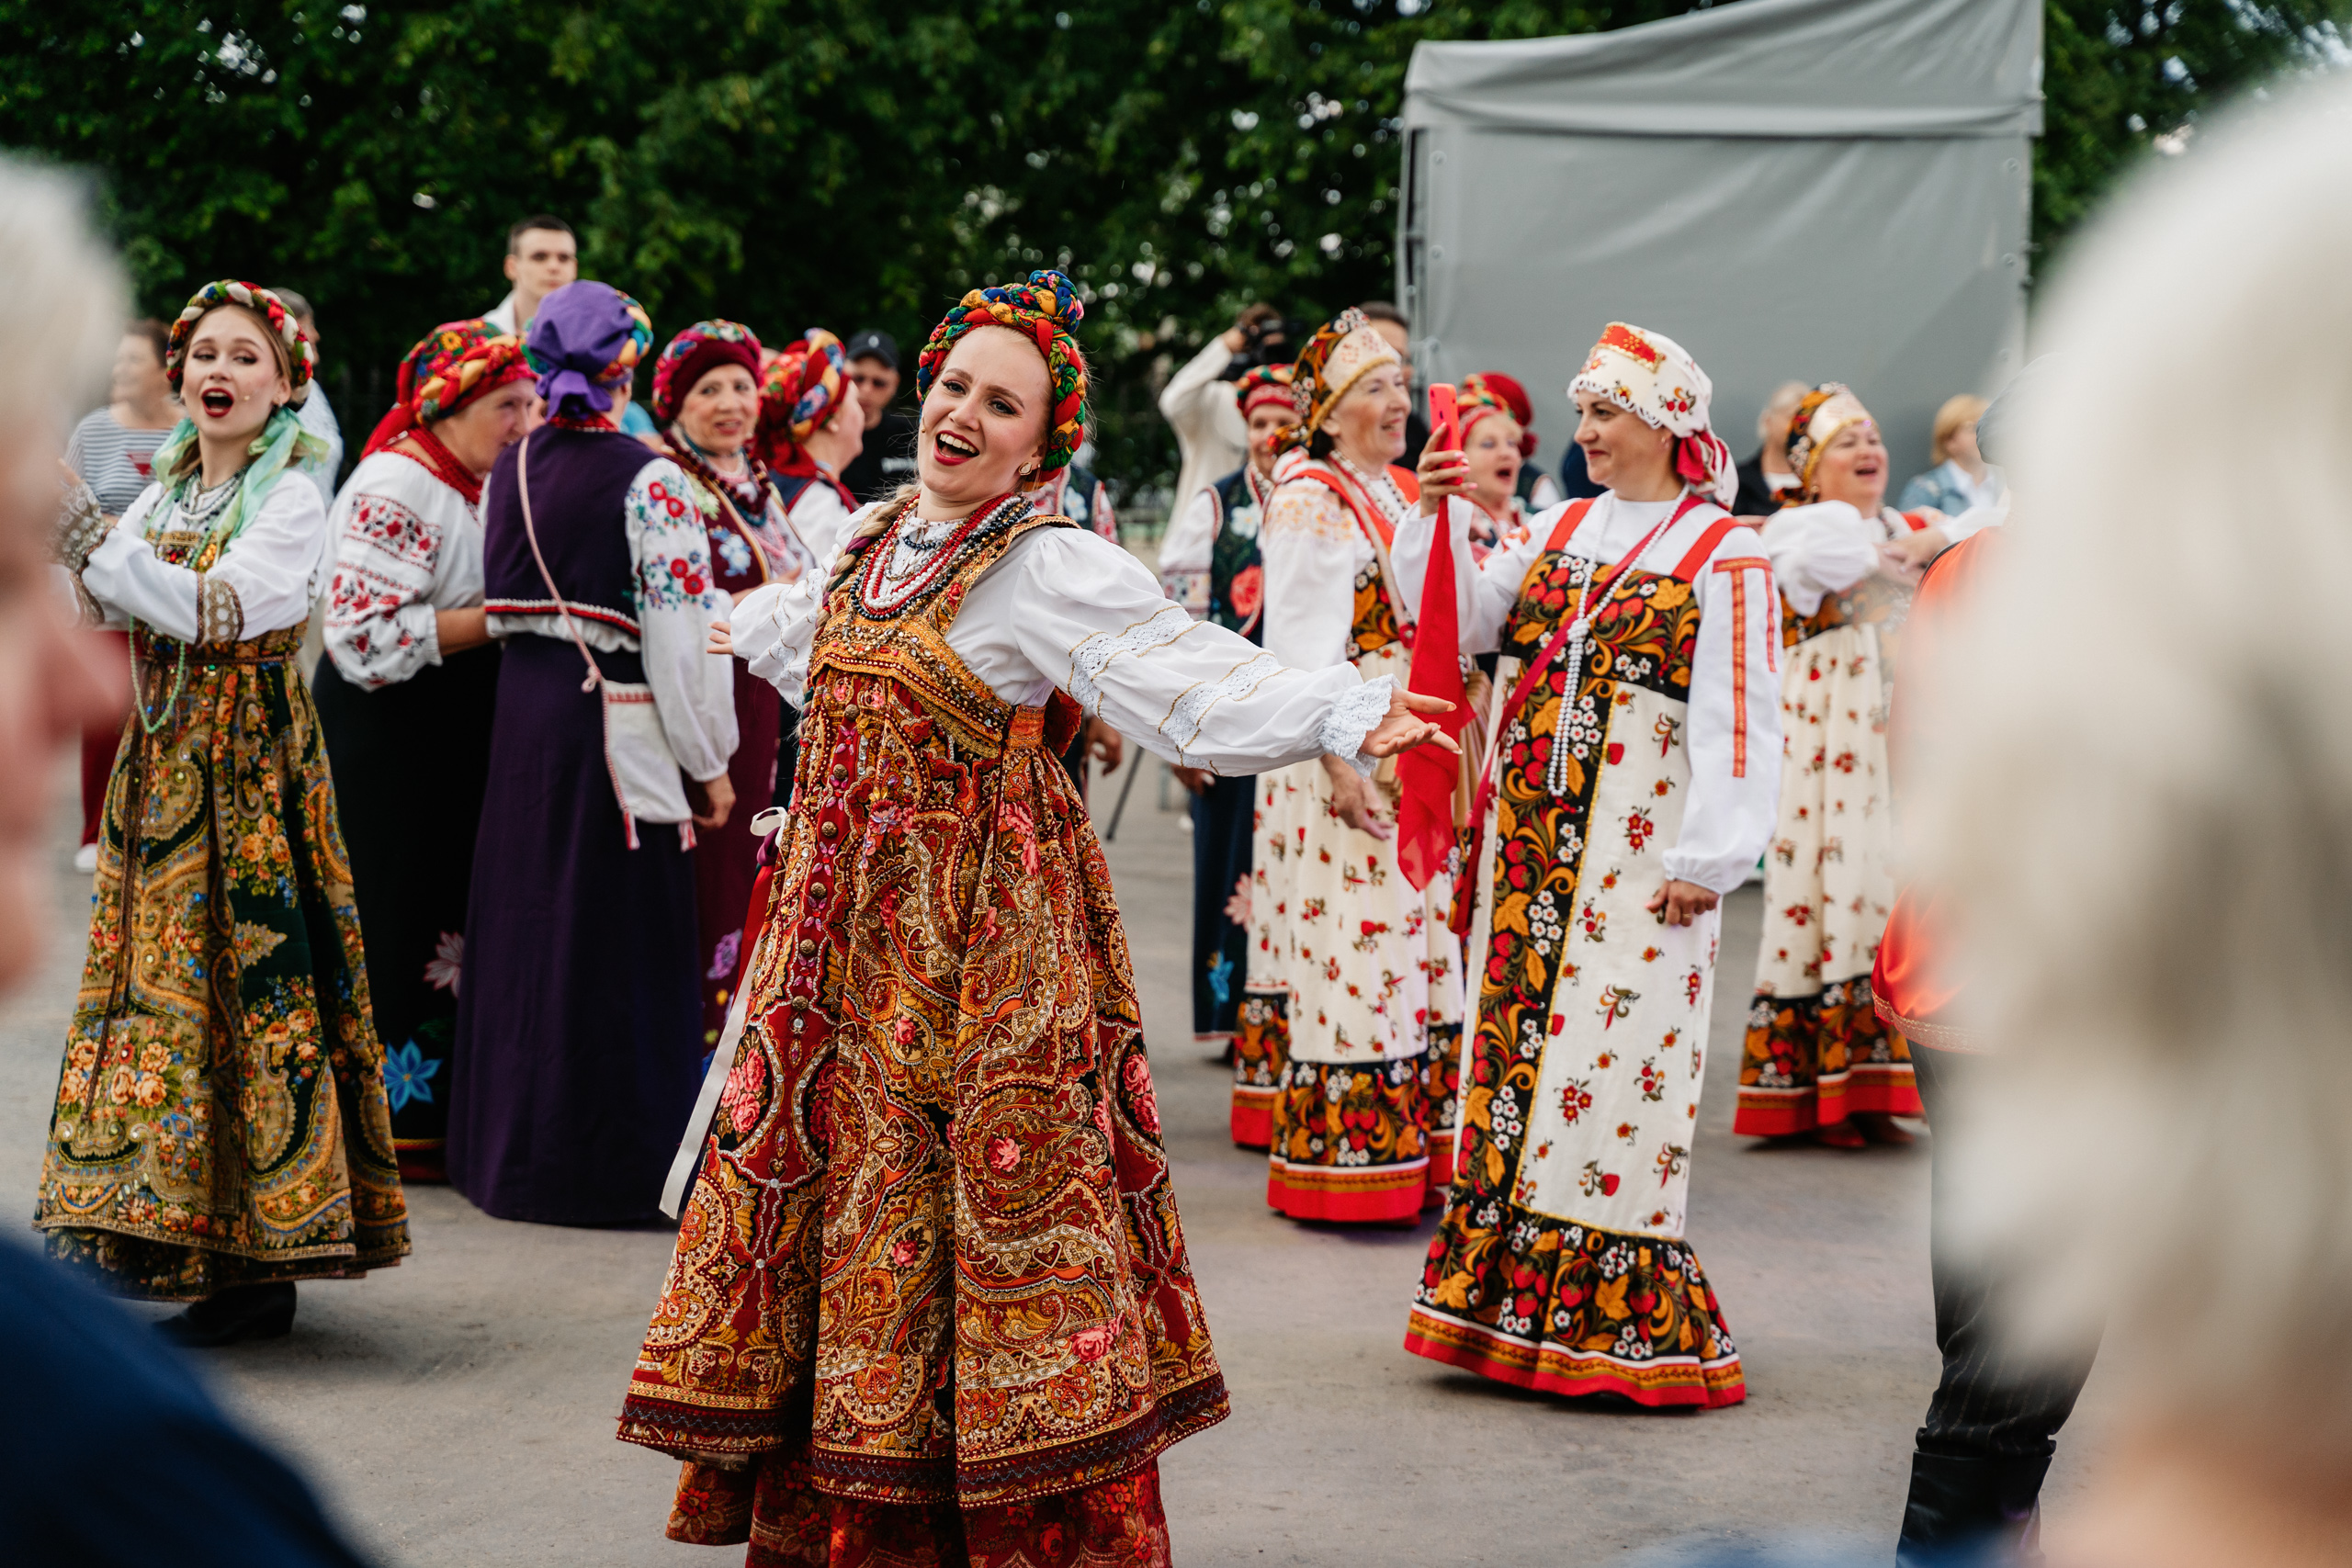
(1816,1051)
(1358,1142)
(221,1119)
(790,1524)
(411,762)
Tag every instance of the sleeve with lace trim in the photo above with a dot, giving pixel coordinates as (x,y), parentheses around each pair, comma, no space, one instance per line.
(1734,720)
(1819,550)
(1092,622)
(694,690)
(388,527)
(263,580)
(1308,542)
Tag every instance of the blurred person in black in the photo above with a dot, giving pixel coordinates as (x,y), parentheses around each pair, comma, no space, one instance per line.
(2146,899)
(123,1457)
(887,458)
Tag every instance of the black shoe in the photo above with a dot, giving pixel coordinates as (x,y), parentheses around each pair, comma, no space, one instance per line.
(1971,1512)
(240,1312)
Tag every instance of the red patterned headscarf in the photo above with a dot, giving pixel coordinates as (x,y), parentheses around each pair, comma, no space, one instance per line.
(1264,384)
(701,347)
(454,364)
(1490,391)
(1047,311)
(804,387)
(301,354)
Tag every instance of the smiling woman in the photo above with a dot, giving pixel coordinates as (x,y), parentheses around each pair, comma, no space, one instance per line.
(930,1295)
(220,1128)
(1818,1063)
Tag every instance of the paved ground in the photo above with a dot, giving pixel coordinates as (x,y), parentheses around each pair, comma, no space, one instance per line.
(457,1409)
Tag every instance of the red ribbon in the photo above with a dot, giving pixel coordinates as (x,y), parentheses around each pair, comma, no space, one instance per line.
(1425,815)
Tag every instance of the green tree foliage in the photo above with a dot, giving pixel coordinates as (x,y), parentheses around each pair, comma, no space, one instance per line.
(848,162)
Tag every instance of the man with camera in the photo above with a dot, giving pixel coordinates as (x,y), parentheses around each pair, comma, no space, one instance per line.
(1198,400)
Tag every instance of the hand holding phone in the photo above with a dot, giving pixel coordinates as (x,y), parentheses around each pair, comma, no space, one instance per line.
(1452,477)
(1445,432)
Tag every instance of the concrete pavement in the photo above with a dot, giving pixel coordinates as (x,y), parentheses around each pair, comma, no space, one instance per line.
(458,1409)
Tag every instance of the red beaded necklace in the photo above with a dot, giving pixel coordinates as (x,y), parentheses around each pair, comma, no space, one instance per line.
(878,599)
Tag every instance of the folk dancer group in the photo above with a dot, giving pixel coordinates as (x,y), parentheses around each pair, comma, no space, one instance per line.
(929,1295)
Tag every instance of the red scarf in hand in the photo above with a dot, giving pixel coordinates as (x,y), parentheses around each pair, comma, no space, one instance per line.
(1429,773)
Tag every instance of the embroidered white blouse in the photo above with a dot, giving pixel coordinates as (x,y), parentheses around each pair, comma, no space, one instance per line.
(264,579)
(1735,683)
(1825,548)
(1067,609)
(1311,548)
(406,545)
(676,600)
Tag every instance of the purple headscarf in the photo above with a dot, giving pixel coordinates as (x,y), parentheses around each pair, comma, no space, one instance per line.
(584,335)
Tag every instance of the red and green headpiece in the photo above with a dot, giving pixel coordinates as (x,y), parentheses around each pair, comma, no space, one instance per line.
(802,389)
(1047,311)
(454,364)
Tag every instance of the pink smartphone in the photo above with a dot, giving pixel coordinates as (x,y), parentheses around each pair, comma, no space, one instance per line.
(1444,435)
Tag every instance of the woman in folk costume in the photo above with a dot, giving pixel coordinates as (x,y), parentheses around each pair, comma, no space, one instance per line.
(405,697)
(1818,1061)
(811,430)
(1498,441)
(579,1020)
(930,1303)
(1345,1059)
(708,401)
(1209,564)
(1611,823)
(220,1129)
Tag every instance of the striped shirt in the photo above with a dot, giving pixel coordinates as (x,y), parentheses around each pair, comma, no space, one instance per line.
(118,463)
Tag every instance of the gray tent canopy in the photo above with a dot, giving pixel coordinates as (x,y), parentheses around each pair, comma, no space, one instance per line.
(1792,189)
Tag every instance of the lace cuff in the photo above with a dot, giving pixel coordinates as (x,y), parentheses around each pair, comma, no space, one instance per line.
(1354,717)
(219,614)
(81,528)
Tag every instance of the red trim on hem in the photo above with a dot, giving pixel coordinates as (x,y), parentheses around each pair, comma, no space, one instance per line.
(1253,1125)
(1391,1196)
(1709,1389)
(1782,1115)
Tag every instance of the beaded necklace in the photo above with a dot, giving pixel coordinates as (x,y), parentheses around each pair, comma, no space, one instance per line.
(197,510)
(886,586)
(1598,588)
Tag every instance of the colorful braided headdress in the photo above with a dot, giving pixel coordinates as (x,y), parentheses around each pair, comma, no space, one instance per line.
(1483,393)
(301,354)
(1654,379)
(1826,410)
(454,364)
(1263,384)
(697,349)
(1045,310)
(803,387)
(1343,351)
(586,335)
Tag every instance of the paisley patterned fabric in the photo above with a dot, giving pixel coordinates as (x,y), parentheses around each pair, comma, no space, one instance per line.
(932,1247)
(1117,1524)
(221,1117)
(1817,1051)
(1560,1264)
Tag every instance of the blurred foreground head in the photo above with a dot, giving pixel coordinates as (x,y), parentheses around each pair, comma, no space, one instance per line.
(2136,781)
(63,311)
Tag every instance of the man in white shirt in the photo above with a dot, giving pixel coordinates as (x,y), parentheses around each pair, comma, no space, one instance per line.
(542,255)
(1210,437)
